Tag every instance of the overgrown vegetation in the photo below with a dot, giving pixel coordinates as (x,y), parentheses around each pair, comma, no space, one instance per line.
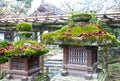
(82,33)
(26,48)
(24,26)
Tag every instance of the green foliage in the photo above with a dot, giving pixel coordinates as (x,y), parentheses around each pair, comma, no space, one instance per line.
(26,48)
(21,42)
(24,26)
(51,36)
(104,26)
(113,60)
(80,34)
(81,17)
(42,77)
(4,43)
(29,51)
(76,30)
(94,19)
(24,34)
(108,39)
(3,59)
(7,25)
(90,40)
(88,28)
(64,28)
(10,52)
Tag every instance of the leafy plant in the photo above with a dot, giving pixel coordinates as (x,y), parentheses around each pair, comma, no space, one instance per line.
(3,59)
(4,43)
(24,34)
(3,74)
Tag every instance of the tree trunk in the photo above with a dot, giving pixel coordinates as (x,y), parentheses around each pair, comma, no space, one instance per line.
(105,56)
(0,71)
(42,63)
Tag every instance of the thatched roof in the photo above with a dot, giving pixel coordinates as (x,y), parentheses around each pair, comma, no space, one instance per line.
(47,9)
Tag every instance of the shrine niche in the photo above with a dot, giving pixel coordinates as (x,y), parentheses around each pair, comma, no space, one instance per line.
(79,58)
(24,66)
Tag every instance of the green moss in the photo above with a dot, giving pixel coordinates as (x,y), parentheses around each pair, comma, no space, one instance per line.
(81,33)
(88,28)
(26,48)
(76,30)
(21,42)
(24,26)
(80,17)
(64,28)
(77,34)
(90,40)
(28,52)
(7,25)
(106,39)
(91,28)
(49,37)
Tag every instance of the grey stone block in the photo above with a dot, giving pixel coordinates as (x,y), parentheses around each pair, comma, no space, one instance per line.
(88,77)
(64,73)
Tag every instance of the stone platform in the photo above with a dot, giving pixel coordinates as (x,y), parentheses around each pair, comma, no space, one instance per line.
(58,77)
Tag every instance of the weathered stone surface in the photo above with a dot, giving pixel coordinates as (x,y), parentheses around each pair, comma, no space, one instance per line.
(58,77)
(88,77)
(64,73)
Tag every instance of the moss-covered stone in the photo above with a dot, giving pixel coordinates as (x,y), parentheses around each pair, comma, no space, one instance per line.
(25,48)
(81,17)
(79,34)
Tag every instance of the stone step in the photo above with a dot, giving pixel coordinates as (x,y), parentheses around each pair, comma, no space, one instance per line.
(55,59)
(52,65)
(53,70)
(53,62)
